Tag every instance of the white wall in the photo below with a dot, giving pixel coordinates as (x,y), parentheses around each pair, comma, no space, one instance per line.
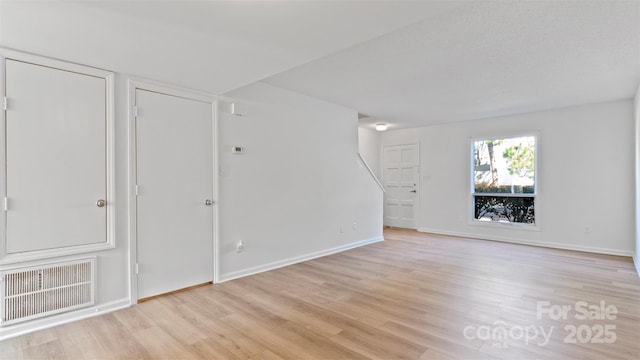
(636,103)
(585,176)
(297,184)
(369,148)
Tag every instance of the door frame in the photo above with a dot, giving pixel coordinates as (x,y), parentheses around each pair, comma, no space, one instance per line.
(416,213)
(110,179)
(140,84)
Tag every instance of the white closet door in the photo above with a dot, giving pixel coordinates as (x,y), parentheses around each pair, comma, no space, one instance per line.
(56,158)
(174,140)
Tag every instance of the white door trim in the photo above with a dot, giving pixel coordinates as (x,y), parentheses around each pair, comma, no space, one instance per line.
(133,85)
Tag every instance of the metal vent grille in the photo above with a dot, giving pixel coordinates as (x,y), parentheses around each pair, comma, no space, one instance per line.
(39,291)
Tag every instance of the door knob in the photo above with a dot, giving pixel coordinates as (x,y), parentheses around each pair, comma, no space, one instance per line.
(101,203)
(208,202)
(413,191)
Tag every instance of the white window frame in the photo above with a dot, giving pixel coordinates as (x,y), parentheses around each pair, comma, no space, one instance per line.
(536,194)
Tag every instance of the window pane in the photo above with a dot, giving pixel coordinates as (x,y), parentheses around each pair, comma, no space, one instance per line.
(504,165)
(505,209)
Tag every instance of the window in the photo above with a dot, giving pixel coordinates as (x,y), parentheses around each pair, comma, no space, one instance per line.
(504,180)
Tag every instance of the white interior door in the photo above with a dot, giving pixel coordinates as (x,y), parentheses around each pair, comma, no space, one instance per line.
(174,140)
(55,158)
(400,180)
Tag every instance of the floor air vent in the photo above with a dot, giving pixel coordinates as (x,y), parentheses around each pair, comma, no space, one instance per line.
(39,291)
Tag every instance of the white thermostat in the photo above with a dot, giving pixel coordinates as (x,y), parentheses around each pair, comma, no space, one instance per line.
(237,150)
(238,109)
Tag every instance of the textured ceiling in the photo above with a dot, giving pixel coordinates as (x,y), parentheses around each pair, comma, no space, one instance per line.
(483,59)
(406,63)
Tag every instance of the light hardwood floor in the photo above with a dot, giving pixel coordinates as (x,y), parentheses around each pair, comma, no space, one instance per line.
(414,296)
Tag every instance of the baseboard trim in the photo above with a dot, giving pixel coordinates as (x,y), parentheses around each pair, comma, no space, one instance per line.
(636,262)
(589,249)
(48,322)
(297,259)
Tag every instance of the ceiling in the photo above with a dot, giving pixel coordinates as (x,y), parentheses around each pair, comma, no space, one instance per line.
(483,59)
(409,63)
(211,46)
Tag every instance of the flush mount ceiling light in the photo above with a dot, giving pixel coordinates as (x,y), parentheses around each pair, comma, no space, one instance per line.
(381,127)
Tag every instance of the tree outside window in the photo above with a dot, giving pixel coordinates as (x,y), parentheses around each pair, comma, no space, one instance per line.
(504,179)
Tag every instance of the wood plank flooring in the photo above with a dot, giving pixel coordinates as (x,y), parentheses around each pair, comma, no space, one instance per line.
(414,296)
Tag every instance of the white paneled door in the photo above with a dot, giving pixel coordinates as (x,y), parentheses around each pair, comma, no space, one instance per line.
(56,169)
(400,179)
(174,140)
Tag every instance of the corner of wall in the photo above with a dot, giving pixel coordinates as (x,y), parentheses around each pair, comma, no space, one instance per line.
(636,257)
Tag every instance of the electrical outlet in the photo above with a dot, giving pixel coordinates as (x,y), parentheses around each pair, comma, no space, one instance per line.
(355,226)
(341,229)
(239,246)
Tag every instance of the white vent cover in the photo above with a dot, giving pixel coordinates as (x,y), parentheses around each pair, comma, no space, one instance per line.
(39,291)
